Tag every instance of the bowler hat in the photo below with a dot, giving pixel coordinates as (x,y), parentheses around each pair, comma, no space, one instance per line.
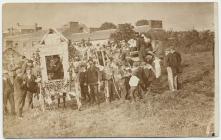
(82,65)
(90,60)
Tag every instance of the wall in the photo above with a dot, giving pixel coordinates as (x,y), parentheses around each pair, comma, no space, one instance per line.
(24,31)
(156,24)
(22,45)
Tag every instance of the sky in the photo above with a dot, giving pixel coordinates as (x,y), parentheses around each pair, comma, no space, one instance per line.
(175,16)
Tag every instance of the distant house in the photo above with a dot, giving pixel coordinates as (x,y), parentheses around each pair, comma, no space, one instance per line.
(25,38)
(73,27)
(97,37)
(142,29)
(23,43)
(154,24)
(23,29)
(102,36)
(28,28)
(93,29)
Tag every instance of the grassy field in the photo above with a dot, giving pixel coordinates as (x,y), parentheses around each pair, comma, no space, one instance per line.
(161,113)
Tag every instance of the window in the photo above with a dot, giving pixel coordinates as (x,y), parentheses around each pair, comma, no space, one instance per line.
(54,67)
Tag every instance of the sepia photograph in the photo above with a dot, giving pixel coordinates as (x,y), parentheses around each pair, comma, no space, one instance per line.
(110,69)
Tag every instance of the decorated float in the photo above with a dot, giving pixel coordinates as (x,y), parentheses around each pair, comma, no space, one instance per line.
(54,69)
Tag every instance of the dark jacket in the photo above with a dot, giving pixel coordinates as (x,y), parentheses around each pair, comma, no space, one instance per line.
(83,78)
(168,60)
(31,85)
(8,86)
(143,48)
(140,43)
(177,57)
(92,75)
(142,53)
(139,74)
(148,75)
(148,47)
(19,87)
(173,60)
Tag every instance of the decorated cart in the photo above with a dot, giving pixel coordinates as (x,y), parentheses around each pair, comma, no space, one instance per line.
(54,68)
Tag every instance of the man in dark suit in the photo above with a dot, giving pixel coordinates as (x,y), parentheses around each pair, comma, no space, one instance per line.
(31,86)
(83,83)
(92,81)
(177,68)
(8,91)
(20,92)
(144,47)
(172,62)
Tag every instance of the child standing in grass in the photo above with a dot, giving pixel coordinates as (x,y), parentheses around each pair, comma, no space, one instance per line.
(133,82)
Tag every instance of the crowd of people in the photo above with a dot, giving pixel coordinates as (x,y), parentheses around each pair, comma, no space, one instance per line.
(123,70)
(19,85)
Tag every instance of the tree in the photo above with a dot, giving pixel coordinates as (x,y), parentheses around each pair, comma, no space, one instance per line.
(142,22)
(123,32)
(107,25)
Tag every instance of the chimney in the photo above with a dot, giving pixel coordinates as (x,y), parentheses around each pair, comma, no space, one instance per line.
(36,25)
(10,31)
(74,27)
(37,28)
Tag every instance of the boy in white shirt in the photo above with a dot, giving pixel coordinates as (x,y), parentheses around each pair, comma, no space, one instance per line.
(133,82)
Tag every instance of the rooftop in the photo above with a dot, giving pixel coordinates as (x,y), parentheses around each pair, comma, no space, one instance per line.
(102,34)
(27,26)
(96,35)
(38,34)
